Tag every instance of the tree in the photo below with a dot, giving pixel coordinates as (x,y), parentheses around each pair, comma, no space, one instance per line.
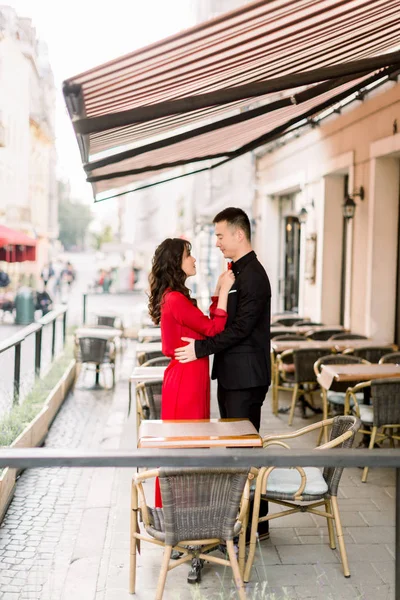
(73,219)
(105,236)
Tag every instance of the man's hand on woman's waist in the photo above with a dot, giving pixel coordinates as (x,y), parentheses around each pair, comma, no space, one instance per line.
(186,354)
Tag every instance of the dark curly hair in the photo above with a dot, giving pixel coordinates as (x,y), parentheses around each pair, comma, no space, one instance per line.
(167,273)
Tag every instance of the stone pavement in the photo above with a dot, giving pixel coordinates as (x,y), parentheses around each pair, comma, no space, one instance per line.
(66,534)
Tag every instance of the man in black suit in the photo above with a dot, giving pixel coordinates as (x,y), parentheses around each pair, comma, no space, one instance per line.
(242,351)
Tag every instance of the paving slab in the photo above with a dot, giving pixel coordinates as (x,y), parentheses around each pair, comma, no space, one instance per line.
(66,534)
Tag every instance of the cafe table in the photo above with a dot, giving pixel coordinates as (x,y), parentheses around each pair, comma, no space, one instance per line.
(352,373)
(143,374)
(280,346)
(301,329)
(149,332)
(184,434)
(205,433)
(105,333)
(355,373)
(147,347)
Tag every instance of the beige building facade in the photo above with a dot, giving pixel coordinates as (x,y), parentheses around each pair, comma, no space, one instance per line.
(28,201)
(329,268)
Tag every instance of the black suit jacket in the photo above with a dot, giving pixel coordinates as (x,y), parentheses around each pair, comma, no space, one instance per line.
(242,350)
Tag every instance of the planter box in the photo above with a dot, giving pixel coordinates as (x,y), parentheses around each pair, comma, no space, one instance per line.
(34,434)
(7,486)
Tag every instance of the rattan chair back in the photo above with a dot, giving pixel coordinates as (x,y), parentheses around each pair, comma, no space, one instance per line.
(304,359)
(92,349)
(322,335)
(340,425)
(289,337)
(392,357)
(372,353)
(200,503)
(348,336)
(385,395)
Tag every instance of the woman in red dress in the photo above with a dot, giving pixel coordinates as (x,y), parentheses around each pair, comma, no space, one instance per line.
(186,386)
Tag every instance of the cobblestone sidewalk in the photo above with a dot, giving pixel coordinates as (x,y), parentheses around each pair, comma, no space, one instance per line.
(66,534)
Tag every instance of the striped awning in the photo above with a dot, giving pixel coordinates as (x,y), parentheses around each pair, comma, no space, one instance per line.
(227,86)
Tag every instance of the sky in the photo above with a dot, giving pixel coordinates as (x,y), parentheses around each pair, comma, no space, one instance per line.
(81,34)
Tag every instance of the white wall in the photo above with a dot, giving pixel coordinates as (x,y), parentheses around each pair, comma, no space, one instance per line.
(361,144)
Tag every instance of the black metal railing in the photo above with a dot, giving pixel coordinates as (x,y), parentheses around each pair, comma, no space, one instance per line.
(29,354)
(42,457)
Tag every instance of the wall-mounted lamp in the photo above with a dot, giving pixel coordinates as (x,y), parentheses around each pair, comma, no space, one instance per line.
(349,206)
(303,215)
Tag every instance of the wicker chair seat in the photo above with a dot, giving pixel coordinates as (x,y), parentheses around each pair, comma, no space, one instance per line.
(338,398)
(282,484)
(366,413)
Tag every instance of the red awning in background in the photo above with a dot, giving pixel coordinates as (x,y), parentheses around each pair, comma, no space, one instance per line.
(16,246)
(222,88)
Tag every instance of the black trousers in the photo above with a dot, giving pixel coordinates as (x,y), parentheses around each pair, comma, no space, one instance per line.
(245,404)
(242,404)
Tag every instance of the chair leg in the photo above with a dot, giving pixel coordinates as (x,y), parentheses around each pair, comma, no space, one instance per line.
(133,540)
(242,542)
(163,572)
(323,433)
(235,568)
(254,526)
(294,398)
(275,390)
(371,445)
(332,542)
(339,534)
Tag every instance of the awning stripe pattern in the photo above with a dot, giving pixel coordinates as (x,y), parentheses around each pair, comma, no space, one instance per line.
(211,91)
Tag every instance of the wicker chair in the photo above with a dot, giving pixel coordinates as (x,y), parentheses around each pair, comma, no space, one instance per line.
(200,510)
(282,378)
(372,354)
(289,337)
(159,361)
(384,413)
(150,340)
(304,489)
(108,321)
(303,375)
(98,352)
(280,332)
(322,335)
(336,394)
(285,321)
(148,400)
(348,336)
(144,357)
(393,358)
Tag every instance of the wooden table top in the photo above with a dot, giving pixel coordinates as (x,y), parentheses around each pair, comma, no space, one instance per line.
(147,374)
(106,333)
(149,332)
(148,347)
(198,434)
(356,373)
(337,345)
(304,328)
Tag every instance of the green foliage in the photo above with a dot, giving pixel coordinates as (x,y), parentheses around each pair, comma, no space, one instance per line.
(22,414)
(103,237)
(73,220)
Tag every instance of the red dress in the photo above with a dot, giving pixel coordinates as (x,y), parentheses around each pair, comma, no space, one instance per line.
(186,386)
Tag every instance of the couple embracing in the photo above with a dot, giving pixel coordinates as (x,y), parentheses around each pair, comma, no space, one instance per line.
(237,331)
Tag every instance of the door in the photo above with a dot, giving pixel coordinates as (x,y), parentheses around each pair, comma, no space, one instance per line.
(397,318)
(292,263)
